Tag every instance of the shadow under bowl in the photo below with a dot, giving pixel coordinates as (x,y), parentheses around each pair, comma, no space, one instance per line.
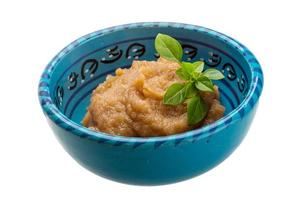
(68,80)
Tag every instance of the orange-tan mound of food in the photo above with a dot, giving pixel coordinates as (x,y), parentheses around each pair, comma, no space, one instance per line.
(130,103)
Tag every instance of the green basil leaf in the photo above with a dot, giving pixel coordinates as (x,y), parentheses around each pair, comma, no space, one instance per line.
(190,90)
(196,110)
(168,47)
(204,84)
(188,67)
(175,94)
(213,74)
(199,66)
(190,70)
(195,76)
(182,75)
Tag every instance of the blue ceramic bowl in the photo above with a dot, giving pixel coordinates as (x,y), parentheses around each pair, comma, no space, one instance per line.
(68,80)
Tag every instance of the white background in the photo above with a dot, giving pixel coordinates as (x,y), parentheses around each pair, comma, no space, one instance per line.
(33,164)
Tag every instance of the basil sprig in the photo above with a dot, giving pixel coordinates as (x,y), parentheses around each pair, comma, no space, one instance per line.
(196,79)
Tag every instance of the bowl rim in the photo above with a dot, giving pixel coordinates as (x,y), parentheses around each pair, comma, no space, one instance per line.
(250,100)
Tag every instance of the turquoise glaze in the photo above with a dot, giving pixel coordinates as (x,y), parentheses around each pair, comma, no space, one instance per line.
(68,80)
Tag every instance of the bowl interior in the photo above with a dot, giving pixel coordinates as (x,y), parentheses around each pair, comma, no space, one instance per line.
(80,70)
